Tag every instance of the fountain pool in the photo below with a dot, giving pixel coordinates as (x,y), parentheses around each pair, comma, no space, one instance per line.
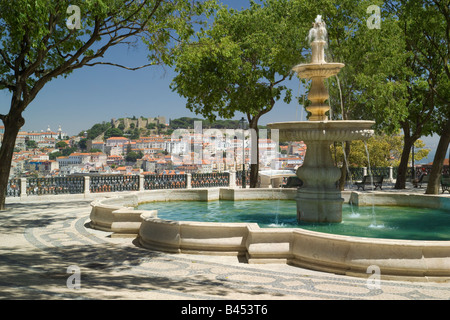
(389,222)
(418,260)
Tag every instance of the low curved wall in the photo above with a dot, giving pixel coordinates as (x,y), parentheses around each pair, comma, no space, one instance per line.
(193,237)
(400,199)
(117,215)
(313,250)
(353,255)
(414,260)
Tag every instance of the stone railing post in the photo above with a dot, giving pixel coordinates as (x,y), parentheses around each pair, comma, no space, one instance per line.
(188,181)
(141,182)
(23,187)
(391,174)
(87,185)
(232,179)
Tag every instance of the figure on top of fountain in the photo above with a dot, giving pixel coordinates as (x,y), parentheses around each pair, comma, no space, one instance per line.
(318,31)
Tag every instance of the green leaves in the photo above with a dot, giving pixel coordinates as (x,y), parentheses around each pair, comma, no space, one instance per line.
(240,62)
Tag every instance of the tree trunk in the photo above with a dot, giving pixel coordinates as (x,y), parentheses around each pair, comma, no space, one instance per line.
(438,161)
(13,122)
(403,167)
(254,154)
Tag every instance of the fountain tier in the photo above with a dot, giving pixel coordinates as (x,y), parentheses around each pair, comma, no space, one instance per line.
(338,130)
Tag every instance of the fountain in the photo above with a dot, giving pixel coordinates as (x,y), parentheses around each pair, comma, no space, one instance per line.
(319,200)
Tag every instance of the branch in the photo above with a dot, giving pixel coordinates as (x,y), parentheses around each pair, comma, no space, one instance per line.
(6,59)
(7,85)
(74,62)
(279,81)
(118,65)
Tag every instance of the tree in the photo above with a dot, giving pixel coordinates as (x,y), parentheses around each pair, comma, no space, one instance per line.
(31,144)
(366,88)
(241,62)
(61,145)
(68,151)
(40,42)
(96,130)
(82,144)
(113,132)
(135,134)
(382,151)
(54,155)
(133,156)
(426,28)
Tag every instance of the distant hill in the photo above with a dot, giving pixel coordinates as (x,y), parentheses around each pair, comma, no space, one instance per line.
(135,127)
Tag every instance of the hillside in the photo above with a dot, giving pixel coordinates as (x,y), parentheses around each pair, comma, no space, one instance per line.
(136,127)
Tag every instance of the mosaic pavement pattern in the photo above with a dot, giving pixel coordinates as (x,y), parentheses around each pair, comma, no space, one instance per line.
(38,242)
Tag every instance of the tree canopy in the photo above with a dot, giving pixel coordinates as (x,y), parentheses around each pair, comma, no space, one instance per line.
(240,63)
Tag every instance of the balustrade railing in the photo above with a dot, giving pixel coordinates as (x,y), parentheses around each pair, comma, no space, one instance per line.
(380,171)
(113,183)
(162,181)
(209,180)
(56,185)
(13,188)
(355,174)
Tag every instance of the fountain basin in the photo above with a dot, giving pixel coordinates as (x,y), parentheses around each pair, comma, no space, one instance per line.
(350,255)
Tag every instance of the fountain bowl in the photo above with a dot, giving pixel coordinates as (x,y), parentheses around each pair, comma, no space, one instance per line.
(320,70)
(336,130)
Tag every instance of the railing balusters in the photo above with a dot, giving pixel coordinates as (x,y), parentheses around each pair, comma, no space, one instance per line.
(113,183)
(208,180)
(163,181)
(56,185)
(13,188)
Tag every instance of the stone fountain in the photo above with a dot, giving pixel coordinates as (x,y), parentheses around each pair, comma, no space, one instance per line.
(319,199)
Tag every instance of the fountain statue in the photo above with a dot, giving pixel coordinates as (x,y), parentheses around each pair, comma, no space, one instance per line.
(319,199)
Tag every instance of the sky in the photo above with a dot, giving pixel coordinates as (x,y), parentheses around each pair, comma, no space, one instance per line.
(92,95)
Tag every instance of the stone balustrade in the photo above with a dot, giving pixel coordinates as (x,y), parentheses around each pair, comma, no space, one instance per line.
(85,185)
(24,187)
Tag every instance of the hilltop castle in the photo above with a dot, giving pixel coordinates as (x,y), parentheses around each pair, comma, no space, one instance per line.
(140,123)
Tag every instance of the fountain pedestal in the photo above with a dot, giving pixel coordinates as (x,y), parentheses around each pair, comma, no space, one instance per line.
(319,199)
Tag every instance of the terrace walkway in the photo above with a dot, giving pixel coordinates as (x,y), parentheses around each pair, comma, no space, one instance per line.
(40,240)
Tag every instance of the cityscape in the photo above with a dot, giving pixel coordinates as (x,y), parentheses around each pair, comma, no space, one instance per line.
(52,153)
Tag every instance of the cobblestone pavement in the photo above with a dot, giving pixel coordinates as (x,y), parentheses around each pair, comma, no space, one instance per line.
(39,241)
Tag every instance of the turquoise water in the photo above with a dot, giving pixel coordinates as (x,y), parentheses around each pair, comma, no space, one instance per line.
(373,222)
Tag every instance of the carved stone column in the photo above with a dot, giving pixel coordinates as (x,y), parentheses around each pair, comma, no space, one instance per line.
(319,199)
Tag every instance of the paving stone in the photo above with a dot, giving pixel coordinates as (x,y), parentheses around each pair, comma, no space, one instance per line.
(39,241)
